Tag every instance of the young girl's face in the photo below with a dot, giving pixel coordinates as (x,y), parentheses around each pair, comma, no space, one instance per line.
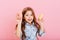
(28,16)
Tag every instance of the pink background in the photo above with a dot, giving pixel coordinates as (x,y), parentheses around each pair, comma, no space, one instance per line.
(50,9)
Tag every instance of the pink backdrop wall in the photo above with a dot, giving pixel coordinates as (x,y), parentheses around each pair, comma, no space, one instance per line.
(50,9)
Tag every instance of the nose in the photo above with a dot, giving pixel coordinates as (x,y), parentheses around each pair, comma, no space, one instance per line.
(29,17)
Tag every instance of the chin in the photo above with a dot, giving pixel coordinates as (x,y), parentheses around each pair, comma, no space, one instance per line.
(29,22)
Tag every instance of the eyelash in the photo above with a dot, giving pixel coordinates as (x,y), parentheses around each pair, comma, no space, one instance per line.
(31,15)
(26,15)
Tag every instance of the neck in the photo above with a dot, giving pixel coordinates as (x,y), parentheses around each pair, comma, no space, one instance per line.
(30,23)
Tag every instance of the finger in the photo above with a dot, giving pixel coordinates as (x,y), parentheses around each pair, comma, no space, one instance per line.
(40,17)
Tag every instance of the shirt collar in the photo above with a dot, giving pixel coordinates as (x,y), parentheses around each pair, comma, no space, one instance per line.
(29,24)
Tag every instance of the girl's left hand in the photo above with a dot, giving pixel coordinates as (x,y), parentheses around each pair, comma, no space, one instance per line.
(40,18)
(41,22)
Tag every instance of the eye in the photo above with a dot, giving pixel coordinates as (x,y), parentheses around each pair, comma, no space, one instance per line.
(26,15)
(31,15)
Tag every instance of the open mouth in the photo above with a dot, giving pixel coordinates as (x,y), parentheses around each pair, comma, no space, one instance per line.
(29,19)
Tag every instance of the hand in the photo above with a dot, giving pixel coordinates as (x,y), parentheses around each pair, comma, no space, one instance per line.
(41,22)
(40,18)
(18,18)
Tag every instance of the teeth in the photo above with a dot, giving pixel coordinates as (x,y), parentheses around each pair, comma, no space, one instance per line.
(29,19)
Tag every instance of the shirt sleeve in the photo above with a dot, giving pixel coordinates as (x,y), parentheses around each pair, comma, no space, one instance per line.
(41,33)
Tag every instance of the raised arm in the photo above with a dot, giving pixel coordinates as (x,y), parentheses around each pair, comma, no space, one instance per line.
(41,22)
(18,28)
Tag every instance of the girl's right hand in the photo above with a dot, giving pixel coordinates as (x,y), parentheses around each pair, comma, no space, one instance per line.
(18,18)
(18,29)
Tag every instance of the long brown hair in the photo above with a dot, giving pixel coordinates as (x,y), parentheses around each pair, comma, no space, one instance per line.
(23,21)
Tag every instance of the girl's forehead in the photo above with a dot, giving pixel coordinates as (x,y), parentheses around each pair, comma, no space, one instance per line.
(29,12)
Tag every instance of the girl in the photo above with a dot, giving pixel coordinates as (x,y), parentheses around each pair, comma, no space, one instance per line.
(27,27)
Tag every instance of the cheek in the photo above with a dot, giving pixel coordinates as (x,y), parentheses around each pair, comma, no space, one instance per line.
(32,17)
(26,18)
